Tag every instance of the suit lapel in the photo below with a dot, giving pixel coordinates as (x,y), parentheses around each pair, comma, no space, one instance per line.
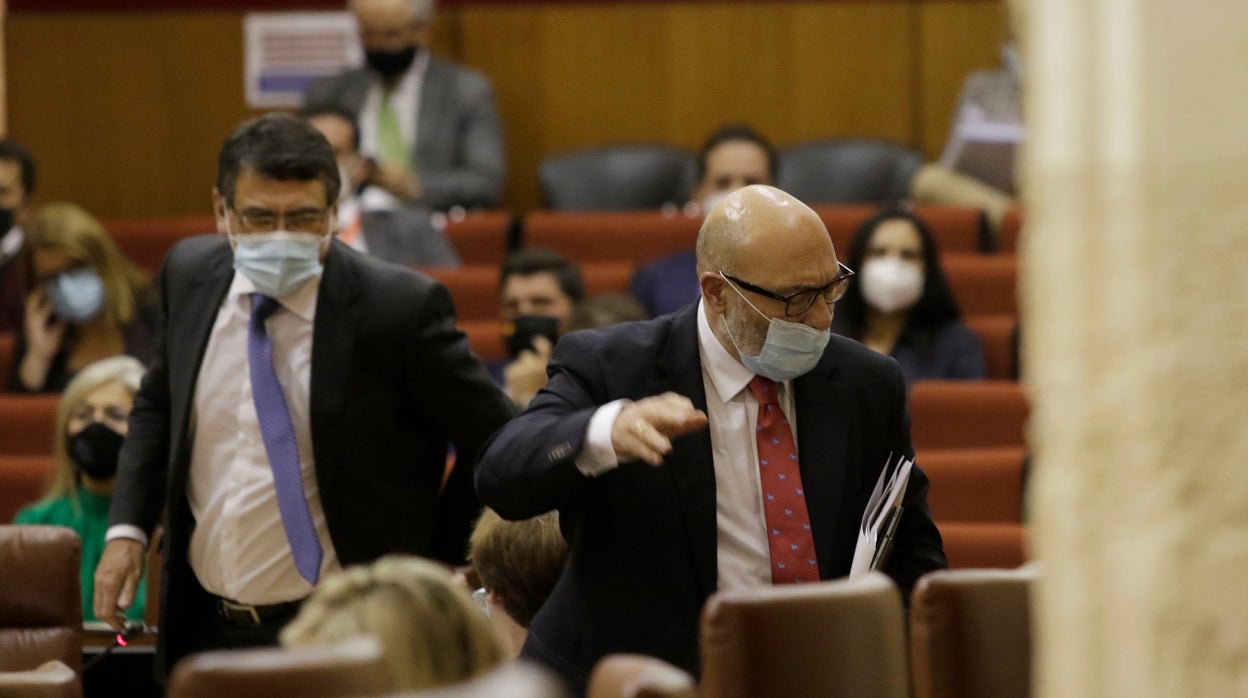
(823,444)
(333,335)
(435,97)
(690,463)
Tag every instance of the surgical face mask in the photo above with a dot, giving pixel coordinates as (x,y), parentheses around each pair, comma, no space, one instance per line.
(890,284)
(391,64)
(278,263)
(95,450)
(790,349)
(77,295)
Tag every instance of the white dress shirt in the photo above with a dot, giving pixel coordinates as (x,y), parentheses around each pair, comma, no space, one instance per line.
(239,548)
(744,558)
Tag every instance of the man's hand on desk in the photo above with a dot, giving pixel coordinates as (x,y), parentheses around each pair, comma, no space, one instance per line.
(117,580)
(644,429)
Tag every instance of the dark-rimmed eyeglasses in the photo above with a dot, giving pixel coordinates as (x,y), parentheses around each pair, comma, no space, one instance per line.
(303,220)
(797,304)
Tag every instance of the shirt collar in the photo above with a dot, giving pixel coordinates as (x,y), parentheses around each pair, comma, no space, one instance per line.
(301,302)
(728,375)
(11,242)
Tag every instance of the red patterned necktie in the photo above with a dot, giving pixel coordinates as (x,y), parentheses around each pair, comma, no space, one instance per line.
(784,501)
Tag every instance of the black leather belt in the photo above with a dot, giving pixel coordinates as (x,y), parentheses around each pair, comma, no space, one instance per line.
(248,615)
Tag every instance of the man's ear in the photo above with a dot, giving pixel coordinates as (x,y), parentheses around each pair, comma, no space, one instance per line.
(218,210)
(713,289)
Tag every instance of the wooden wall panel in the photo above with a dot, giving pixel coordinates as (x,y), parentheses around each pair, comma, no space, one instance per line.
(126,111)
(954,39)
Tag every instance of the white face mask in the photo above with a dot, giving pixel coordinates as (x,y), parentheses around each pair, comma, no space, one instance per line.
(890,284)
(790,349)
(278,263)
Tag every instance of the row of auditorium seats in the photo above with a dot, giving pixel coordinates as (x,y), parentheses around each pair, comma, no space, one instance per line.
(637,236)
(970,635)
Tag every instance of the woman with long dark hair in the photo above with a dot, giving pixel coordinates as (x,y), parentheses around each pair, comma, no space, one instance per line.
(901,305)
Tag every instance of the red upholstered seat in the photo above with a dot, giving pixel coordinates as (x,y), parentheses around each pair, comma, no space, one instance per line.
(983,284)
(23,480)
(975,485)
(633,236)
(968,414)
(1011,231)
(479,237)
(957,229)
(27,423)
(997,334)
(984,545)
(146,241)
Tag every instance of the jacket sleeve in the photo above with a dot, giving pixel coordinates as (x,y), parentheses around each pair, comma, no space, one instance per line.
(475,180)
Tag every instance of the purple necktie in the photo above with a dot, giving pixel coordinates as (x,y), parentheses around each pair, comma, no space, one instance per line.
(279,442)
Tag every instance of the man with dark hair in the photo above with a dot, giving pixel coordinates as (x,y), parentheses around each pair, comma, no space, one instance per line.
(403,235)
(430,126)
(534,285)
(17,185)
(732,157)
(731,445)
(297,415)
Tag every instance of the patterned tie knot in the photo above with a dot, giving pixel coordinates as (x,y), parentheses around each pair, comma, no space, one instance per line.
(262,307)
(765,390)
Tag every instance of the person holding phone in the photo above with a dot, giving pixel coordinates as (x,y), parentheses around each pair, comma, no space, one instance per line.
(538,290)
(84,301)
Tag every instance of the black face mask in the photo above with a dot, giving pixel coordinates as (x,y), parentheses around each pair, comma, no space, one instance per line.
(95,450)
(6,221)
(391,64)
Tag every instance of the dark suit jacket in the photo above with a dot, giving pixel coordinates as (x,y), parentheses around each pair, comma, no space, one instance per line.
(406,236)
(642,540)
(459,138)
(392,381)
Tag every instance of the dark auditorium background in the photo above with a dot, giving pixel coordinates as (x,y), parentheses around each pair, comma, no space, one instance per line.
(125,102)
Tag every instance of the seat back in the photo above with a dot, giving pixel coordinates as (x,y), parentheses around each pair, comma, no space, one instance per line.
(352,668)
(975,485)
(639,676)
(617,178)
(998,334)
(27,423)
(146,241)
(637,237)
(970,633)
(514,680)
(847,170)
(7,340)
(23,479)
(52,679)
(479,237)
(983,284)
(968,414)
(956,229)
(984,545)
(1011,231)
(839,638)
(40,597)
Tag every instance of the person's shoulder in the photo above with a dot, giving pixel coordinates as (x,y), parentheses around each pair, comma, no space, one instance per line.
(859,363)
(466,80)
(628,342)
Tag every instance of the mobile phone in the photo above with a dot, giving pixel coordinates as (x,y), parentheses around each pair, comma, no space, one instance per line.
(518,335)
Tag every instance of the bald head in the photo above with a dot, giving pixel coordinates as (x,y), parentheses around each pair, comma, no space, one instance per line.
(757,220)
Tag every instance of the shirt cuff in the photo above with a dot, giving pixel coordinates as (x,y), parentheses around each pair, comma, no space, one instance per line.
(126,531)
(598,455)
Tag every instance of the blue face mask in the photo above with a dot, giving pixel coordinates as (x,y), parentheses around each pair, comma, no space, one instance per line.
(77,295)
(278,263)
(790,349)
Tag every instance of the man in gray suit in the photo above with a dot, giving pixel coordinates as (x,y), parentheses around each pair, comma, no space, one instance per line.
(431,126)
(403,235)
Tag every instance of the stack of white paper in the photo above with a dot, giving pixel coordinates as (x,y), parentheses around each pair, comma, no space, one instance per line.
(879,521)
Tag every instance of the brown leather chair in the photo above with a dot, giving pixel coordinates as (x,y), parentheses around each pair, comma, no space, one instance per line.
(639,676)
(513,680)
(40,597)
(352,668)
(839,638)
(970,633)
(52,679)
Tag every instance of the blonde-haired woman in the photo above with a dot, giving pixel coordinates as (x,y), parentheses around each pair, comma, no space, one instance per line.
(84,301)
(428,624)
(90,426)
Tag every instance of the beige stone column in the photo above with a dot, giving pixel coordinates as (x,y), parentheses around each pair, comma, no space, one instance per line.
(1136,312)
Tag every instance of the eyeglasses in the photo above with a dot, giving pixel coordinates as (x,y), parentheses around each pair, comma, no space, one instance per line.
(796,304)
(303,220)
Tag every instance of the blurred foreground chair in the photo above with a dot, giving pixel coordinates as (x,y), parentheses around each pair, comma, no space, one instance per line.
(513,680)
(40,599)
(831,639)
(352,668)
(53,679)
(847,171)
(639,676)
(970,633)
(616,178)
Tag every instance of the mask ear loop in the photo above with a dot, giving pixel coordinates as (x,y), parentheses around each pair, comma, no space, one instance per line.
(747,300)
